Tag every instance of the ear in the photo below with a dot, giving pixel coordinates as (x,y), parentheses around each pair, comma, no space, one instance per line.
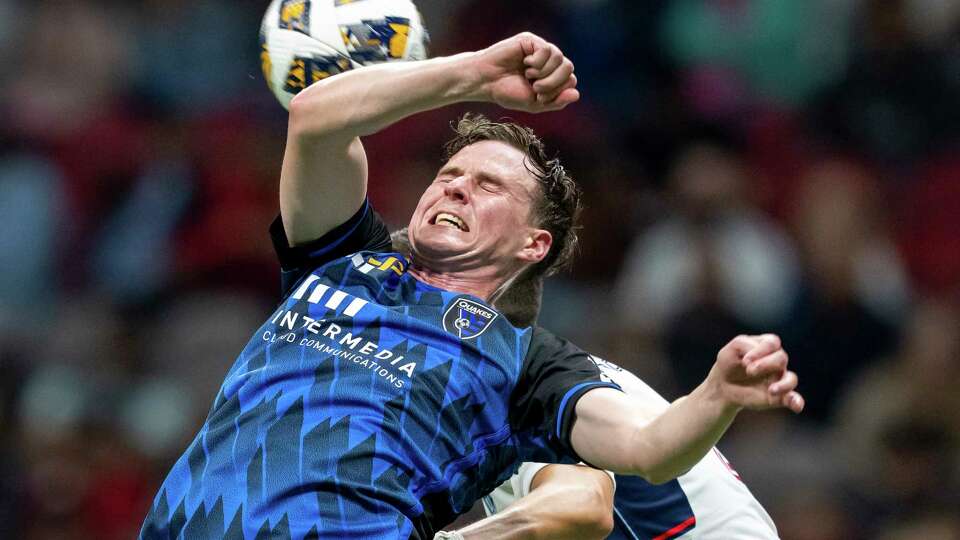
(536,246)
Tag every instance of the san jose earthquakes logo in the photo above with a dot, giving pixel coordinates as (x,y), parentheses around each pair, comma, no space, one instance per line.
(467,319)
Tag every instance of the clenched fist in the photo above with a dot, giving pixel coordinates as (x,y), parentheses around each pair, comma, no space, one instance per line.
(751,372)
(527,73)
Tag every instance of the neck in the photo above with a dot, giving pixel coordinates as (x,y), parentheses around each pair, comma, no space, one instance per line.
(480,282)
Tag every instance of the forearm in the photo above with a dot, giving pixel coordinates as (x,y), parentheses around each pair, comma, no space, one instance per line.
(324,174)
(658,449)
(511,524)
(367,100)
(682,435)
(557,511)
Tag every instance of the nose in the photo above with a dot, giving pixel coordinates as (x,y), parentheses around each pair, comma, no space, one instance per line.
(456,189)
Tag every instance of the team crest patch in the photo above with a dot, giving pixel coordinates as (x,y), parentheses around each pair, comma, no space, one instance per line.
(295,15)
(467,319)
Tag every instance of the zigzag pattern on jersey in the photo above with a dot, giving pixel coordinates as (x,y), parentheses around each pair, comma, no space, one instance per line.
(295,433)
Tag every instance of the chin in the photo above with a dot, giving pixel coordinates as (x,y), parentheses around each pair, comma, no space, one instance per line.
(438,244)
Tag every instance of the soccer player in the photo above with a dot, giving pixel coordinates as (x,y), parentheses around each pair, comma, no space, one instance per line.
(578,502)
(385,395)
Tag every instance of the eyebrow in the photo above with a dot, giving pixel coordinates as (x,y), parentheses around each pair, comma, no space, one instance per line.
(449,169)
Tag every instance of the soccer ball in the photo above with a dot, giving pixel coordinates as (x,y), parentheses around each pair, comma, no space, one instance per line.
(304,41)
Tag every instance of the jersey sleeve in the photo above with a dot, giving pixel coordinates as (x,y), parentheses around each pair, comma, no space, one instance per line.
(555,375)
(365,230)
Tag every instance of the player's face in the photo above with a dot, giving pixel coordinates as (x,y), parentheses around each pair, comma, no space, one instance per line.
(477,210)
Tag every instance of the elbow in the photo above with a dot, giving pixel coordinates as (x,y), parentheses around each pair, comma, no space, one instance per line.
(658,478)
(600,526)
(302,111)
(592,517)
(311,116)
(663,474)
(597,522)
(656,474)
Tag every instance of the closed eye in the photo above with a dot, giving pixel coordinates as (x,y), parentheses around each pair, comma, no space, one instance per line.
(491,186)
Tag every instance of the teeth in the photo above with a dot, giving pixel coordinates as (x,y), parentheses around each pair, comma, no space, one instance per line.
(453,220)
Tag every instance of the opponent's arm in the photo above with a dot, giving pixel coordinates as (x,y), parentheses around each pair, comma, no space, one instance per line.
(324,174)
(571,502)
(611,430)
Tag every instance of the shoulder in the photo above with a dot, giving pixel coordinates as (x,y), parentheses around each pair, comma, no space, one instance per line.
(365,230)
(545,343)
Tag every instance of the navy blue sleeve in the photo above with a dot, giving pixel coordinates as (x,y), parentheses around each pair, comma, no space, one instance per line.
(364,231)
(556,374)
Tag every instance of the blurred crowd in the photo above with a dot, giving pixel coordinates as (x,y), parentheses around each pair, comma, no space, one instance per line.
(748,165)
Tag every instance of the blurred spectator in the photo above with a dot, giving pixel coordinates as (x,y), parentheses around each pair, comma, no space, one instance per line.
(132,259)
(194,340)
(196,57)
(897,100)
(712,268)
(713,245)
(854,287)
(899,426)
(71,64)
(30,216)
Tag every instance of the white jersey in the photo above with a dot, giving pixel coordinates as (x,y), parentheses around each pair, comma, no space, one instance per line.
(709,502)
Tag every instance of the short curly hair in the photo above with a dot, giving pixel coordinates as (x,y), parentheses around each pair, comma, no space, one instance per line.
(558,207)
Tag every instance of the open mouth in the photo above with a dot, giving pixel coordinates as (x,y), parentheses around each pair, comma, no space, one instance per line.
(450,220)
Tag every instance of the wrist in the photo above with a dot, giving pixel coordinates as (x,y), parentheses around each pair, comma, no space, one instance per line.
(712,396)
(471,85)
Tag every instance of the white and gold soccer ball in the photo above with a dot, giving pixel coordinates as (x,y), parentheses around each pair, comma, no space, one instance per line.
(304,41)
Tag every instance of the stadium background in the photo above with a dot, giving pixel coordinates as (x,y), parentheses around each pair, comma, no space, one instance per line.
(781,165)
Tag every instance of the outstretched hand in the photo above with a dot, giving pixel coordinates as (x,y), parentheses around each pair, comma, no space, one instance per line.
(527,73)
(751,372)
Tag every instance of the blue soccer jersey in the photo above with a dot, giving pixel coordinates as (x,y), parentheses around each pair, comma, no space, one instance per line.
(369,405)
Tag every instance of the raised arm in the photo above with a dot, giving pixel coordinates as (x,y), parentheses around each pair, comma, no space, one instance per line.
(324,175)
(566,502)
(612,431)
